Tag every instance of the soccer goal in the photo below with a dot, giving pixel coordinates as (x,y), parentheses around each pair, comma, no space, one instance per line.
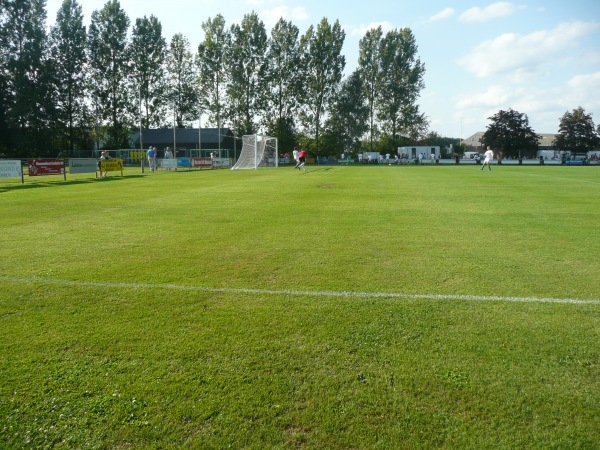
(257,151)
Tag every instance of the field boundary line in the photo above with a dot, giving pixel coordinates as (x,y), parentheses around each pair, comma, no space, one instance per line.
(304,293)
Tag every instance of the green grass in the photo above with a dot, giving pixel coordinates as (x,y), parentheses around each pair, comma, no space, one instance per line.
(204,309)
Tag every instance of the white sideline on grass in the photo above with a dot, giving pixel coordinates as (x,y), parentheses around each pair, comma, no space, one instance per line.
(302,293)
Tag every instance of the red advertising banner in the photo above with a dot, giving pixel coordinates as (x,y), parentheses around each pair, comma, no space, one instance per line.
(201,162)
(38,167)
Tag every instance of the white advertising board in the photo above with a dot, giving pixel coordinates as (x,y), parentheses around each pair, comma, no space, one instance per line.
(10,168)
(83,165)
(168,163)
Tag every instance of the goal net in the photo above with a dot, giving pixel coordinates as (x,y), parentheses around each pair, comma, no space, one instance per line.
(257,151)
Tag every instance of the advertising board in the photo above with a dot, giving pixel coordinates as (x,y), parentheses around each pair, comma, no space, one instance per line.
(83,165)
(10,168)
(41,167)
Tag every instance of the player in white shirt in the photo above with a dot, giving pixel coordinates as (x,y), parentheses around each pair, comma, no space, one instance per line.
(489,155)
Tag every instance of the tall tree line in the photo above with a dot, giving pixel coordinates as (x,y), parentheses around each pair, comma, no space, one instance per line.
(74,87)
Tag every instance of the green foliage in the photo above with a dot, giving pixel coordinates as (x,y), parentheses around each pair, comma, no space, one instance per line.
(147,52)
(212,65)
(403,74)
(109,64)
(371,74)
(182,77)
(62,93)
(577,133)
(247,89)
(284,74)
(68,50)
(445,143)
(347,122)
(510,134)
(323,63)
(392,78)
(26,75)
(284,130)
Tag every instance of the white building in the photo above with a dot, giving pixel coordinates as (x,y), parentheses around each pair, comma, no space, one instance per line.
(414,152)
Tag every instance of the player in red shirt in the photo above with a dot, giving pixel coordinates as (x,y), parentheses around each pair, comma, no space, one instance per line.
(302,160)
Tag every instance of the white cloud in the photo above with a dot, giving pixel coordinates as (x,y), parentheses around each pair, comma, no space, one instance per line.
(299,13)
(361,30)
(492,97)
(523,55)
(260,3)
(582,90)
(442,15)
(588,81)
(493,11)
(543,105)
(271,16)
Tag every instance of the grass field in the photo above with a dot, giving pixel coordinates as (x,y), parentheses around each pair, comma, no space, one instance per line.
(345,307)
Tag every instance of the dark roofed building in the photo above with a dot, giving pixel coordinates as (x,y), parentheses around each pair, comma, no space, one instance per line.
(186,139)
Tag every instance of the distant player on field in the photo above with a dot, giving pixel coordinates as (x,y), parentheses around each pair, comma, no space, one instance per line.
(488,155)
(295,153)
(302,159)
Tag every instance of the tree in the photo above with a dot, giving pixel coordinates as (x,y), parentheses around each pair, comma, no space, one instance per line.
(445,143)
(510,134)
(68,50)
(4,89)
(109,65)
(147,52)
(26,75)
(213,70)
(402,82)
(577,133)
(247,61)
(349,114)
(182,82)
(284,78)
(323,64)
(369,63)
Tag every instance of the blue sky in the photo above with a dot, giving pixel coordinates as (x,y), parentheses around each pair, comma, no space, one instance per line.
(538,57)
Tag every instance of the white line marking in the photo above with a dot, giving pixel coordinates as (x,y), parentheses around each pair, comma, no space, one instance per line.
(302,293)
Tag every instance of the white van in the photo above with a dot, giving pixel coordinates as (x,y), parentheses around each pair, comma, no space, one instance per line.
(470,155)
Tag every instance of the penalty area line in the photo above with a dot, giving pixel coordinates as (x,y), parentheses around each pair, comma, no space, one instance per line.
(345,294)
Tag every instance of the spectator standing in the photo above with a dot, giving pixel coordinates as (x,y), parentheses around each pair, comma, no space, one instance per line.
(103,156)
(152,158)
(168,155)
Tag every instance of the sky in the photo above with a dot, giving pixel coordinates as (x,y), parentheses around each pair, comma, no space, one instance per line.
(538,57)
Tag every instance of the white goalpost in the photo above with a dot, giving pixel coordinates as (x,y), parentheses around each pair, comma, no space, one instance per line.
(257,151)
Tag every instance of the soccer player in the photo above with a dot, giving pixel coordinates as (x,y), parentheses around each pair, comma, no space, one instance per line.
(489,155)
(295,153)
(302,159)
